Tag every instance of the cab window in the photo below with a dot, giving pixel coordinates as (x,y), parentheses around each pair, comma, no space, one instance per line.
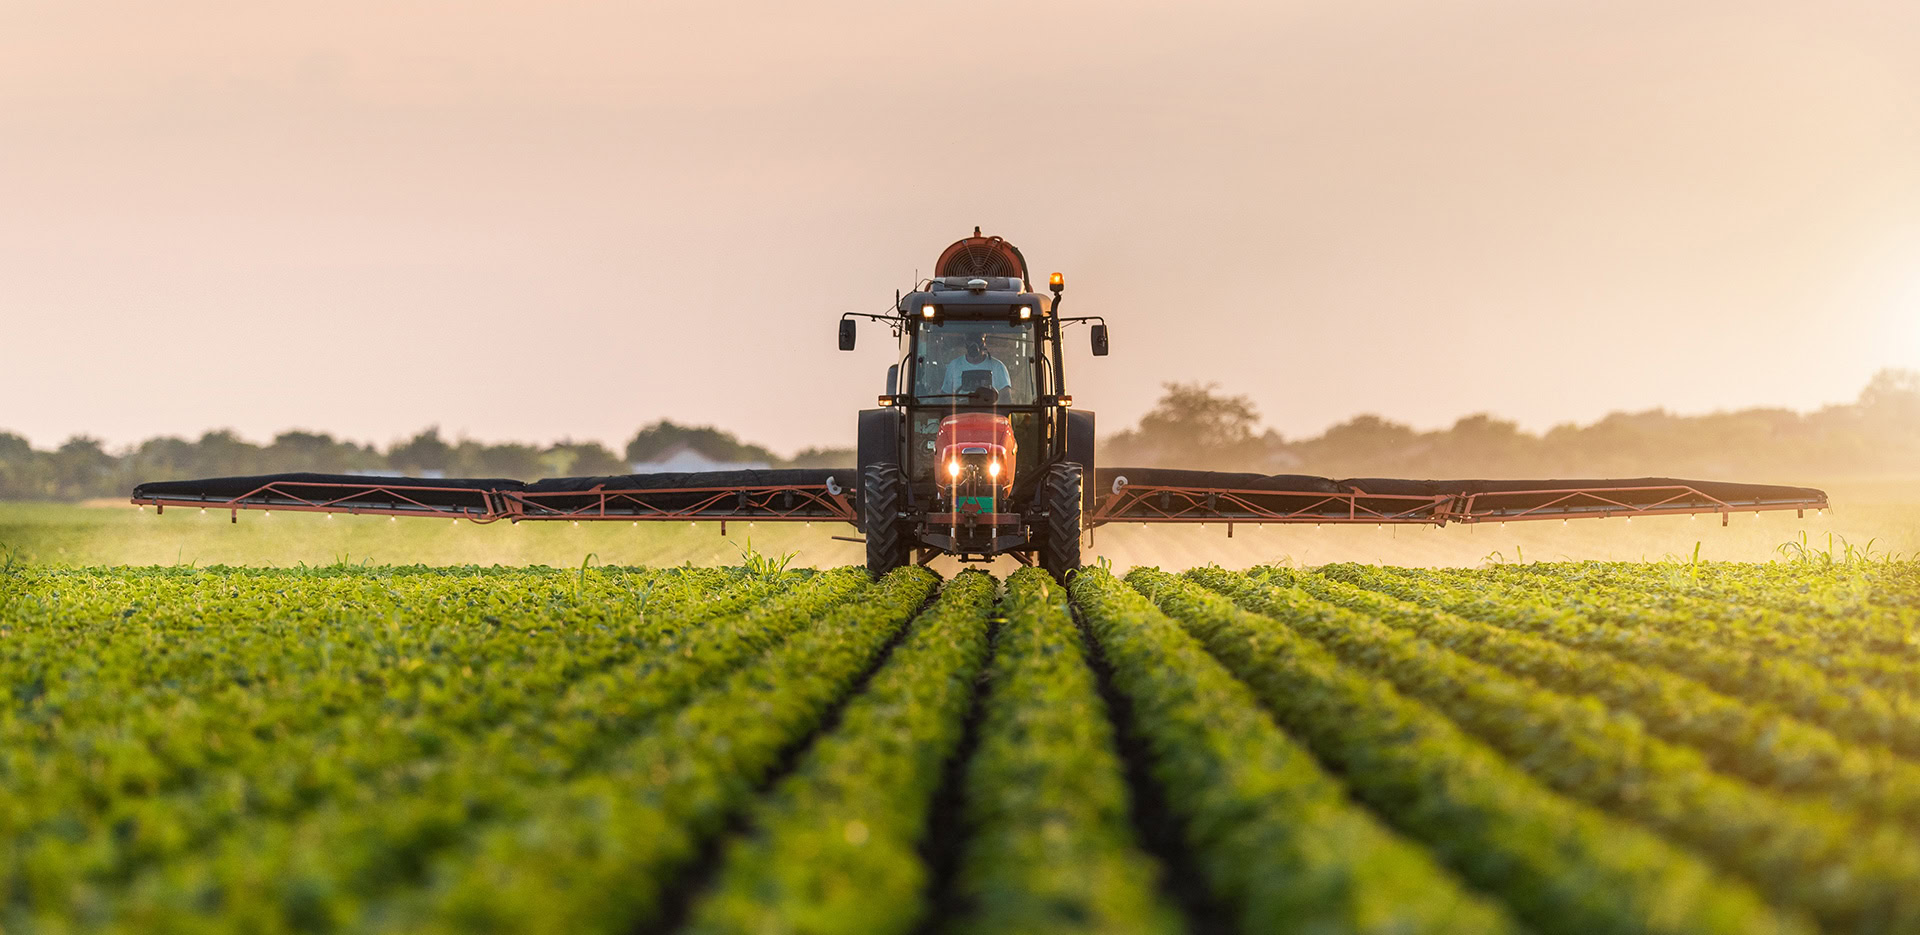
(945,370)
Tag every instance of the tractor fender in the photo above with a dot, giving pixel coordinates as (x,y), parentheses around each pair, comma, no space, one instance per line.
(1080,451)
(879,442)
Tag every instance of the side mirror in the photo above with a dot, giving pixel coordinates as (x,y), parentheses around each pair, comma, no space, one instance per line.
(893,380)
(1099,340)
(846,334)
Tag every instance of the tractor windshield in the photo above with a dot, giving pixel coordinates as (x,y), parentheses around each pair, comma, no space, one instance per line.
(952,358)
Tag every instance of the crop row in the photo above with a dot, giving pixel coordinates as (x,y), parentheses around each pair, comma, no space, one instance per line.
(1849,874)
(1842,600)
(1756,742)
(1866,647)
(1048,842)
(835,846)
(1856,712)
(1273,835)
(1562,866)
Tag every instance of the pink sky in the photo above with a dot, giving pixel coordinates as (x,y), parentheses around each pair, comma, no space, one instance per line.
(534,221)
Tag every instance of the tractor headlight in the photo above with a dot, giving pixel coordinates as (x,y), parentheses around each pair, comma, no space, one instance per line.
(993,469)
(953,469)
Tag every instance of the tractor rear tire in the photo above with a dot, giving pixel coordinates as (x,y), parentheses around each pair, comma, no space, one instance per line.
(1060,493)
(883,495)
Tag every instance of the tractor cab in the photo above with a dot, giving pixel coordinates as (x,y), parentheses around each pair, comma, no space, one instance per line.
(975,433)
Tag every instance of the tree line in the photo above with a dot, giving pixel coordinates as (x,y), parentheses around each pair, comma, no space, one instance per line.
(1876,434)
(83,468)
(1193,425)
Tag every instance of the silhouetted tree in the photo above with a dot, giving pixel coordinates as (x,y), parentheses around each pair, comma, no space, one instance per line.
(1192,426)
(81,468)
(581,459)
(314,451)
(421,454)
(475,459)
(662,437)
(821,458)
(23,475)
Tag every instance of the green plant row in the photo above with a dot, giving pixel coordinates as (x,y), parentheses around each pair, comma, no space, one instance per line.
(110,645)
(369,807)
(1758,743)
(1048,844)
(1276,839)
(1854,650)
(833,848)
(1856,712)
(1894,584)
(1560,865)
(138,773)
(599,852)
(167,636)
(1817,582)
(1829,601)
(1849,874)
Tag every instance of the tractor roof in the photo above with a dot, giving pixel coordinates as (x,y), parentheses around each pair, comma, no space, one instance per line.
(997,299)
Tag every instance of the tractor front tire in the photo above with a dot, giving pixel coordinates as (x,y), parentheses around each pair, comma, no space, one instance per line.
(1060,493)
(883,495)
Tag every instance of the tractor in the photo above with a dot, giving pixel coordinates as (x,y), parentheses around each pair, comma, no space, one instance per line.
(975,449)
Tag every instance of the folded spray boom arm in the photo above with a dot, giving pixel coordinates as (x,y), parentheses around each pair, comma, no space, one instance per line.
(765,496)
(1150,495)
(1143,495)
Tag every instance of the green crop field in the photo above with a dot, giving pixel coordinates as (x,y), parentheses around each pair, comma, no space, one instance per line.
(1580,748)
(1882,516)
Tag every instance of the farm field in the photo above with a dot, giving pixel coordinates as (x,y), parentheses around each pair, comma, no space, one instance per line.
(1553,747)
(1882,512)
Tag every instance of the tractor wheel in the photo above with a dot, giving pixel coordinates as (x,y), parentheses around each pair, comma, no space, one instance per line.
(1060,492)
(883,494)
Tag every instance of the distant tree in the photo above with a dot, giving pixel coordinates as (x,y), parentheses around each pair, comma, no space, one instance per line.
(1193,426)
(224,453)
(82,468)
(1893,397)
(822,458)
(511,460)
(1482,444)
(167,457)
(581,459)
(661,438)
(23,476)
(423,452)
(314,451)
(14,448)
(1363,445)
(1191,416)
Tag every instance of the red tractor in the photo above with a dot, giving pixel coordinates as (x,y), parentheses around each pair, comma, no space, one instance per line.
(976,450)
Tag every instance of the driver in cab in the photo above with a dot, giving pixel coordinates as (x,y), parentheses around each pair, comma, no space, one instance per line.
(977,368)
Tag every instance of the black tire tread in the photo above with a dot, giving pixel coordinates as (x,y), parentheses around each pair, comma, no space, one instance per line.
(883,492)
(1060,491)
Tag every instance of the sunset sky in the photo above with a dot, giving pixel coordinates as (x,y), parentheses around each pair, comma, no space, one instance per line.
(543,220)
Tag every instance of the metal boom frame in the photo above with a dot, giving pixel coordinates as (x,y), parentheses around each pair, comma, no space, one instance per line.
(1150,503)
(1140,503)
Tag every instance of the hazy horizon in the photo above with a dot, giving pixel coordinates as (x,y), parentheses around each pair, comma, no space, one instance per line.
(574,220)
